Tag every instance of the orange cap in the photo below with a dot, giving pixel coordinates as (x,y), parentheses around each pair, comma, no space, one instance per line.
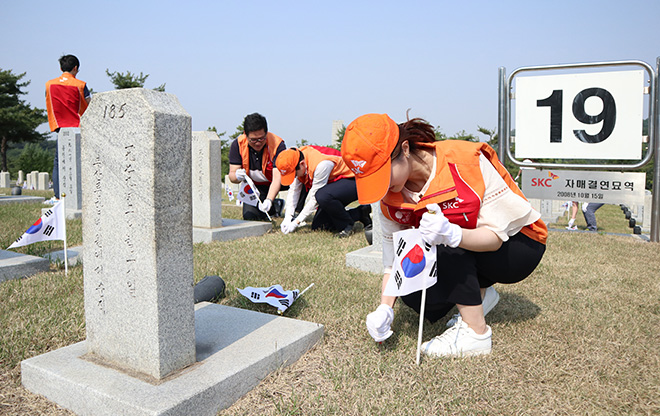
(286,164)
(368,143)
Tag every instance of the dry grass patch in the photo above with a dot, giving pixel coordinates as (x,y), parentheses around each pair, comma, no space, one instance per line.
(579,336)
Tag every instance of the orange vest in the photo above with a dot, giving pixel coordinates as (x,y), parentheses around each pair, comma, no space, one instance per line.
(269,151)
(458,188)
(313,156)
(65,101)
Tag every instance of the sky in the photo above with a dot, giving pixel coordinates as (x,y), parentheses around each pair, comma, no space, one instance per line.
(303,64)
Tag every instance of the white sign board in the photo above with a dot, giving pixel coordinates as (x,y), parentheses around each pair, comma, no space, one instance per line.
(585,186)
(580,116)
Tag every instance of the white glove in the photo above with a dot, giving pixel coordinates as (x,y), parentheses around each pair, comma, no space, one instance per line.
(436,228)
(379,323)
(288,225)
(265,205)
(240,174)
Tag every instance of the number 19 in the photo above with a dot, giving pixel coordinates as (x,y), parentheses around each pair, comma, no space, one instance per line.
(607,114)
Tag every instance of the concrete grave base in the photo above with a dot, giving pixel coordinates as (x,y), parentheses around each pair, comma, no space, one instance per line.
(18,199)
(368,259)
(231,230)
(74,255)
(236,349)
(16,265)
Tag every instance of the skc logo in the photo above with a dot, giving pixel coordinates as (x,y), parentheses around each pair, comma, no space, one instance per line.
(544,182)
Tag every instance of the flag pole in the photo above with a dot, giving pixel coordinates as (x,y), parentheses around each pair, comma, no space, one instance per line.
(66,255)
(422,307)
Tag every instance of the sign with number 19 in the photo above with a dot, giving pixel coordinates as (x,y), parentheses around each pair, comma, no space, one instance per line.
(580,116)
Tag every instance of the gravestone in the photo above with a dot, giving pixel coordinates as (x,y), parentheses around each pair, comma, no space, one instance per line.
(206,185)
(370,258)
(208,224)
(138,275)
(68,144)
(4,180)
(43,181)
(149,349)
(21,178)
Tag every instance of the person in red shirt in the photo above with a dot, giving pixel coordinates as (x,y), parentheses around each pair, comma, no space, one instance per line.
(66,100)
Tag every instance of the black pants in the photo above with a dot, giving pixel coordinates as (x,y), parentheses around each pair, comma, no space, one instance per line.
(461,273)
(332,199)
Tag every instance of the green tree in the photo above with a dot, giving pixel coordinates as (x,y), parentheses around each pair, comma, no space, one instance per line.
(340,138)
(34,157)
(18,120)
(129,80)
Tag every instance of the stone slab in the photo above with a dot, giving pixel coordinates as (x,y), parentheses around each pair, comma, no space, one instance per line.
(74,255)
(231,230)
(368,259)
(19,199)
(235,348)
(17,265)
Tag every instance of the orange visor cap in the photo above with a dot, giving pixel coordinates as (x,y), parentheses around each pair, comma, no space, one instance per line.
(368,143)
(286,164)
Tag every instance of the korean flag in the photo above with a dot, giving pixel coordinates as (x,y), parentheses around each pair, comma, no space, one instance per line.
(414,265)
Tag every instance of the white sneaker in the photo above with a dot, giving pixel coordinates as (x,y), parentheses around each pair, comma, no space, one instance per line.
(459,340)
(491,297)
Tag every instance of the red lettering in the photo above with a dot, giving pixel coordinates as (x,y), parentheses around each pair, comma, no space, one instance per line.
(547,182)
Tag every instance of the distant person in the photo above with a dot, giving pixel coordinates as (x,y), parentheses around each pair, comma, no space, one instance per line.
(589,212)
(574,210)
(331,187)
(254,154)
(66,100)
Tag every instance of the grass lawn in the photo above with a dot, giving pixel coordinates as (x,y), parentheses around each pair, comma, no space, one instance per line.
(579,336)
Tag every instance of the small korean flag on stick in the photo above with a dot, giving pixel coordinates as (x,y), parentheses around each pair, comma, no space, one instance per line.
(414,265)
(248,192)
(51,226)
(414,269)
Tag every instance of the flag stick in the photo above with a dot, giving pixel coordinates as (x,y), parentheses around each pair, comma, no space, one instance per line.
(256,191)
(307,288)
(66,254)
(421,325)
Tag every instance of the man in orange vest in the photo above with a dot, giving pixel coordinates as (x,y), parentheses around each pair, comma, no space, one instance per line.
(66,100)
(254,154)
(330,186)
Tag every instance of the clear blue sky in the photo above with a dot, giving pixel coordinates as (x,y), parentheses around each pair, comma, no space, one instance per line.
(303,64)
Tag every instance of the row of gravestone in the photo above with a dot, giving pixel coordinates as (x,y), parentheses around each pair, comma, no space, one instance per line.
(35,180)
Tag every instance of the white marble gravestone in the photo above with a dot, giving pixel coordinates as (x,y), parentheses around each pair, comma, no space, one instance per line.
(4,179)
(68,144)
(43,179)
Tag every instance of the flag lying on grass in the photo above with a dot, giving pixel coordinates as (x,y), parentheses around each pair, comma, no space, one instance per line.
(51,226)
(248,193)
(414,266)
(274,296)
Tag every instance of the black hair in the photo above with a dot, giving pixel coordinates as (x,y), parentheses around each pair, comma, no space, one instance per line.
(68,62)
(254,122)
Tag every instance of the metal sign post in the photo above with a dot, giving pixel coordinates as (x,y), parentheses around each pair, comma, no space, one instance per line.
(579,115)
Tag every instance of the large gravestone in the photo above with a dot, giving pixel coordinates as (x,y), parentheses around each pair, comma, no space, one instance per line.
(138,277)
(148,350)
(208,224)
(370,258)
(68,144)
(21,178)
